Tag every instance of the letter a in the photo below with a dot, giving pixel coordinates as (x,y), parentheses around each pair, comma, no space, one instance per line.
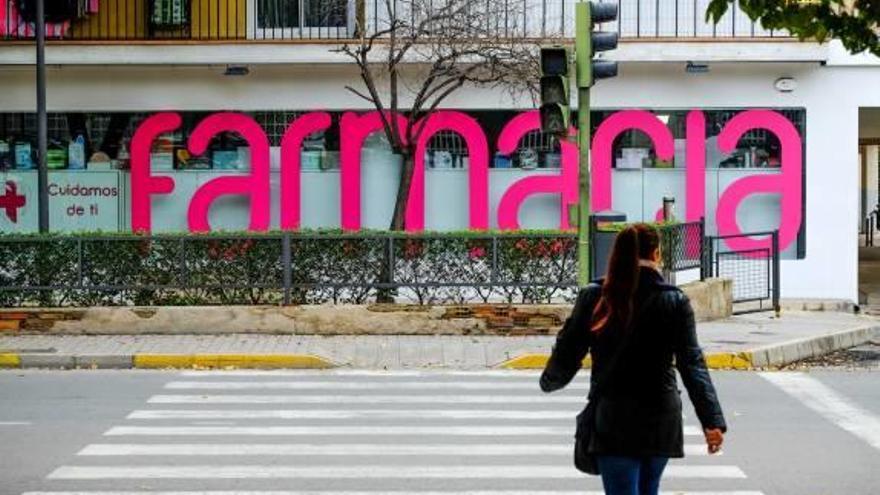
(255,184)
(564,184)
(787,183)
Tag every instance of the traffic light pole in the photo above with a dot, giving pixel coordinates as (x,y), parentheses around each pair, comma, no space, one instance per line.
(584,129)
(583,72)
(555,104)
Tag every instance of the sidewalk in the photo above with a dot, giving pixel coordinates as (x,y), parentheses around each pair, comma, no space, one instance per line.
(741,342)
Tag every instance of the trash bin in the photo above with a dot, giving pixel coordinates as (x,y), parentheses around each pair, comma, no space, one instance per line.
(602,240)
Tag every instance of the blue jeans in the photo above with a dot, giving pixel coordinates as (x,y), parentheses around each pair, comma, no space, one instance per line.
(631,475)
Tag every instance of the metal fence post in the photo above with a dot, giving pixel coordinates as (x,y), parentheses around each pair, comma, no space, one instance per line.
(493,276)
(869,234)
(389,261)
(702,248)
(181,268)
(79,262)
(287,273)
(774,239)
(591,241)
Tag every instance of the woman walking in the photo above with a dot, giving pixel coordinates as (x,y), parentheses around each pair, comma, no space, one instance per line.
(635,326)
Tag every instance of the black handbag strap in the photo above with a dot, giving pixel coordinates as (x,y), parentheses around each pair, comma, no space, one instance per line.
(601,382)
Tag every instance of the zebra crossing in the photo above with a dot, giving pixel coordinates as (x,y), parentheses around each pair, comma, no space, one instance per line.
(359,433)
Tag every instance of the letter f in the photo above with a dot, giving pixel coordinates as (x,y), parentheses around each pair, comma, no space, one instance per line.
(143,183)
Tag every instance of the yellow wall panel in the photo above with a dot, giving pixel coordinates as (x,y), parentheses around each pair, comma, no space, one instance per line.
(129,20)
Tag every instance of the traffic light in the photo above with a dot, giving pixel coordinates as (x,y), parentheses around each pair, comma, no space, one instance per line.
(590,42)
(555,112)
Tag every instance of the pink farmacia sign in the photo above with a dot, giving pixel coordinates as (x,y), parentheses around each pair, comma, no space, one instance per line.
(355,128)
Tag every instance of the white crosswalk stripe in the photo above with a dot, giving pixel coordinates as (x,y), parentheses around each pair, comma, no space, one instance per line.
(359,433)
(324,385)
(361,399)
(384,492)
(830,404)
(493,414)
(360,472)
(304,449)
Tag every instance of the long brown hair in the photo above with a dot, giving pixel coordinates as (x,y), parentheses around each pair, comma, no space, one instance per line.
(635,242)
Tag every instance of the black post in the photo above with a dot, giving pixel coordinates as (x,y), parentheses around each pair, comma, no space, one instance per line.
(285,263)
(872,224)
(389,262)
(591,241)
(702,248)
(42,121)
(775,253)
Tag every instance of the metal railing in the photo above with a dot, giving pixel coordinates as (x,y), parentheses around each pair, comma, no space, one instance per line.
(755,273)
(296,268)
(870,226)
(198,20)
(285,268)
(681,246)
(250,20)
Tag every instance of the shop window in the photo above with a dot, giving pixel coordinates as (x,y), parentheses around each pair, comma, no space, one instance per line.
(446,150)
(285,19)
(536,150)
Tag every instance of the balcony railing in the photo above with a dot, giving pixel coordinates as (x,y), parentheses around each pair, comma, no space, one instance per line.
(255,20)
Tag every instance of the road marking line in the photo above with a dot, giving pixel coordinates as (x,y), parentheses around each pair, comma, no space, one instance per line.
(15,423)
(830,404)
(332,386)
(370,373)
(362,472)
(365,399)
(350,430)
(339,430)
(348,414)
(302,449)
(408,492)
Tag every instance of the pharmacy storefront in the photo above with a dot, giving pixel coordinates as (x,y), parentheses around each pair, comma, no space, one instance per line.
(186,150)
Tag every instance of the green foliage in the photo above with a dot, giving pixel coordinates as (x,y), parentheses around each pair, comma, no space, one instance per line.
(325,266)
(854,22)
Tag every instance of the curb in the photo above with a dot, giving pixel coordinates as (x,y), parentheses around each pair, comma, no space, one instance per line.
(164,361)
(771,356)
(534,361)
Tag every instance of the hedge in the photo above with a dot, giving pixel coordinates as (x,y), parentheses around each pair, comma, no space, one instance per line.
(97,269)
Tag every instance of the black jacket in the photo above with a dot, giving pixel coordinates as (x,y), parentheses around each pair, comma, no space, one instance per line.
(639,412)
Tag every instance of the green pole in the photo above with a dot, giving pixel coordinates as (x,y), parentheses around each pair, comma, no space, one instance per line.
(583,186)
(584,72)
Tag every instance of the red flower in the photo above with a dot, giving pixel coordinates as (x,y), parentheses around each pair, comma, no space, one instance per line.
(229,254)
(477,252)
(541,249)
(412,248)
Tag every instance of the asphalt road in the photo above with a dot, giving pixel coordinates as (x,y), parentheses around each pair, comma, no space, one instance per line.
(812,432)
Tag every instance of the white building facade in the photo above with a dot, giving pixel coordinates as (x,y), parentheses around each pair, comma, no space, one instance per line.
(103,84)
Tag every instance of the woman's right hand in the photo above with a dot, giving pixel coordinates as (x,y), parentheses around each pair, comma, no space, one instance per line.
(714,439)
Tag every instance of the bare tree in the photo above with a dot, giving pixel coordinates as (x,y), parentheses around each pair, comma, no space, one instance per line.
(412,55)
